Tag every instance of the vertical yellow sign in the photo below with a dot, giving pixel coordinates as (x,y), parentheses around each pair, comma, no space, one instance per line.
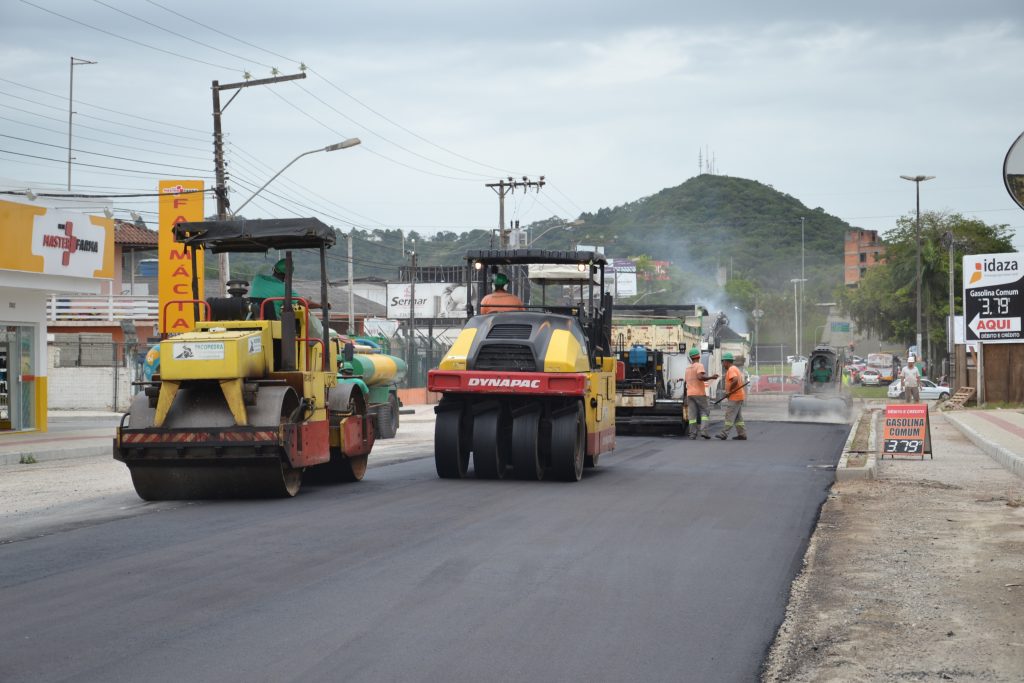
(180,201)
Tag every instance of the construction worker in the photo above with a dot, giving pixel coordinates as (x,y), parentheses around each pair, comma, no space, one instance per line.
(271,286)
(697,407)
(735,395)
(500,299)
(911,378)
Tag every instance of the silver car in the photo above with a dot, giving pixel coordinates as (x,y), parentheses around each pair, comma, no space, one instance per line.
(930,391)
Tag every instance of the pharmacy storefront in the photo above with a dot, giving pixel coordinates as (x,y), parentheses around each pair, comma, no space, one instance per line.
(46,248)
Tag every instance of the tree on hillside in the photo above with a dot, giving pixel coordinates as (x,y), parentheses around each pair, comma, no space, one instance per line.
(885,301)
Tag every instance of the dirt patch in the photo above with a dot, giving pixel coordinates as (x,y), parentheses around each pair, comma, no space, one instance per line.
(912,576)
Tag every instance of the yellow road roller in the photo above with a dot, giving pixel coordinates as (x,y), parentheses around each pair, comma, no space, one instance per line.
(250,399)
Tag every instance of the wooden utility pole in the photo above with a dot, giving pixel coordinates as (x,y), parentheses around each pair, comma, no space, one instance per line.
(223,203)
(502,188)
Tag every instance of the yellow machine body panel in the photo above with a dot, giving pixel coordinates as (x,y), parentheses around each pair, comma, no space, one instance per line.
(456,357)
(217,353)
(565,354)
(599,401)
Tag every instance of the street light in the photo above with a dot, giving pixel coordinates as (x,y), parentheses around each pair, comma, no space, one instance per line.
(345,144)
(75,61)
(657,291)
(569,225)
(917,180)
(796,314)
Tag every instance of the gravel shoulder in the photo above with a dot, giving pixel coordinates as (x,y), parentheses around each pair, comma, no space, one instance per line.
(915,576)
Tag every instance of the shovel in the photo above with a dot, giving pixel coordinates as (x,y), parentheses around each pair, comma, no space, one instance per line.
(715,403)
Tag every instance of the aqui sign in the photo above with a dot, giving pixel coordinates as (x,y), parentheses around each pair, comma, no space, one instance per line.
(993,304)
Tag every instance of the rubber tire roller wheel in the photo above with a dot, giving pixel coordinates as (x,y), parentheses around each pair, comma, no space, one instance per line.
(526,447)
(452,440)
(490,444)
(568,444)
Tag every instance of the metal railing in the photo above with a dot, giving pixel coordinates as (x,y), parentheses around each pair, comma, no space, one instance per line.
(102,307)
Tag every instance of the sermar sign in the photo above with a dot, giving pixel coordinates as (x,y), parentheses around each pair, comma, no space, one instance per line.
(180,201)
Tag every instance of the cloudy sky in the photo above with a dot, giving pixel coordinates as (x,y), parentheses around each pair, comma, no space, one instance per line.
(610,101)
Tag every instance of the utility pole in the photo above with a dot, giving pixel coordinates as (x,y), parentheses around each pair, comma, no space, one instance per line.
(917,180)
(504,187)
(351,295)
(75,61)
(411,350)
(223,204)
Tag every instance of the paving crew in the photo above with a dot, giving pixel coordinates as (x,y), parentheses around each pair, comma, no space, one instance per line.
(697,407)
(272,286)
(735,395)
(500,299)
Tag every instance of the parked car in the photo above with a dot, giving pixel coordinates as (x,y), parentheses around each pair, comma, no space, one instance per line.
(870,377)
(795,359)
(777,383)
(930,391)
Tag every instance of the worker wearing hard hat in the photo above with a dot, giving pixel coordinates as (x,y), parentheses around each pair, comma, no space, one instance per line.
(735,395)
(697,407)
(272,286)
(500,299)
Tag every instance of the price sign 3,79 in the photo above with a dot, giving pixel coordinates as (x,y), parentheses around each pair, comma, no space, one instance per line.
(907,430)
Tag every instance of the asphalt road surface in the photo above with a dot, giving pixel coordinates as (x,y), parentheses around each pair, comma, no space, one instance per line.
(669,562)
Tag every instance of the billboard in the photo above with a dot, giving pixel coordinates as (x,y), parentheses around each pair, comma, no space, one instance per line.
(56,241)
(433,300)
(621,276)
(181,201)
(993,304)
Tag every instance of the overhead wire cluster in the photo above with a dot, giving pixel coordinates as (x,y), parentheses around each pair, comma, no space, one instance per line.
(192,144)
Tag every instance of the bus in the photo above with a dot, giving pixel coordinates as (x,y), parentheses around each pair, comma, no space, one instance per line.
(887,365)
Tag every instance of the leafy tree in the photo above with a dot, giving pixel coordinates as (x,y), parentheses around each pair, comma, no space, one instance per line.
(885,300)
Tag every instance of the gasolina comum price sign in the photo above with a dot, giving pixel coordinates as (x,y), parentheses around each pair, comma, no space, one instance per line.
(993,298)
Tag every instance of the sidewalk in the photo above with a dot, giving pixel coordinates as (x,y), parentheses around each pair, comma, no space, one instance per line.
(1000,433)
(917,574)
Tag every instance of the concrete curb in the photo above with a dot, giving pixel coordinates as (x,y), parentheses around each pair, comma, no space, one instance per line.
(1004,456)
(844,472)
(48,453)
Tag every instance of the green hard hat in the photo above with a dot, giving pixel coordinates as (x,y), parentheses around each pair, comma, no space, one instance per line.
(694,352)
(500,279)
(727,356)
(281,267)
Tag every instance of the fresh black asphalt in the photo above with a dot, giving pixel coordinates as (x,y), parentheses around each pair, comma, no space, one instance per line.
(670,562)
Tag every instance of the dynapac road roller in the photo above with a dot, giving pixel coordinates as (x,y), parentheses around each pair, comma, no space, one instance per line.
(250,398)
(531,390)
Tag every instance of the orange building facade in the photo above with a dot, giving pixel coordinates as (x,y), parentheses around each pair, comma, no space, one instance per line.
(862,249)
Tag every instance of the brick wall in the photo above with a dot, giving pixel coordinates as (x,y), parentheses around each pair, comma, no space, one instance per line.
(88,388)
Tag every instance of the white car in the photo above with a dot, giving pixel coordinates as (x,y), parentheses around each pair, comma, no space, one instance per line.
(930,391)
(871,377)
(795,359)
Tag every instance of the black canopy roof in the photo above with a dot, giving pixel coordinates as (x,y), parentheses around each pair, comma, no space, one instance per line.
(259,235)
(507,257)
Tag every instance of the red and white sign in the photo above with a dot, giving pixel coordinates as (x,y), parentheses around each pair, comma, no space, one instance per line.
(70,243)
(906,430)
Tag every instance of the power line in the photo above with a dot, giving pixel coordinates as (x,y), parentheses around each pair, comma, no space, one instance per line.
(95,196)
(180,35)
(112,144)
(100,118)
(63,161)
(99,154)
(101,130)
(130,40)
(96,106)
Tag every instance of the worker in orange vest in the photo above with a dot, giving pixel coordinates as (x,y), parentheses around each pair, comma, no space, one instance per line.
(500,299)
(734,393)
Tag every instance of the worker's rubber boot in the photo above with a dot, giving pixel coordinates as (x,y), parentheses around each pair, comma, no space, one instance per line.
(740,437)
(721,435)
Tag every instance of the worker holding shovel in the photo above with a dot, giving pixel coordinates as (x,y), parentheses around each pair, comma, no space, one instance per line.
(734,392)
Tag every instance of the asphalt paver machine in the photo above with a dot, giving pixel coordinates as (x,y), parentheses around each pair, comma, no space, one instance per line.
(250,399)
